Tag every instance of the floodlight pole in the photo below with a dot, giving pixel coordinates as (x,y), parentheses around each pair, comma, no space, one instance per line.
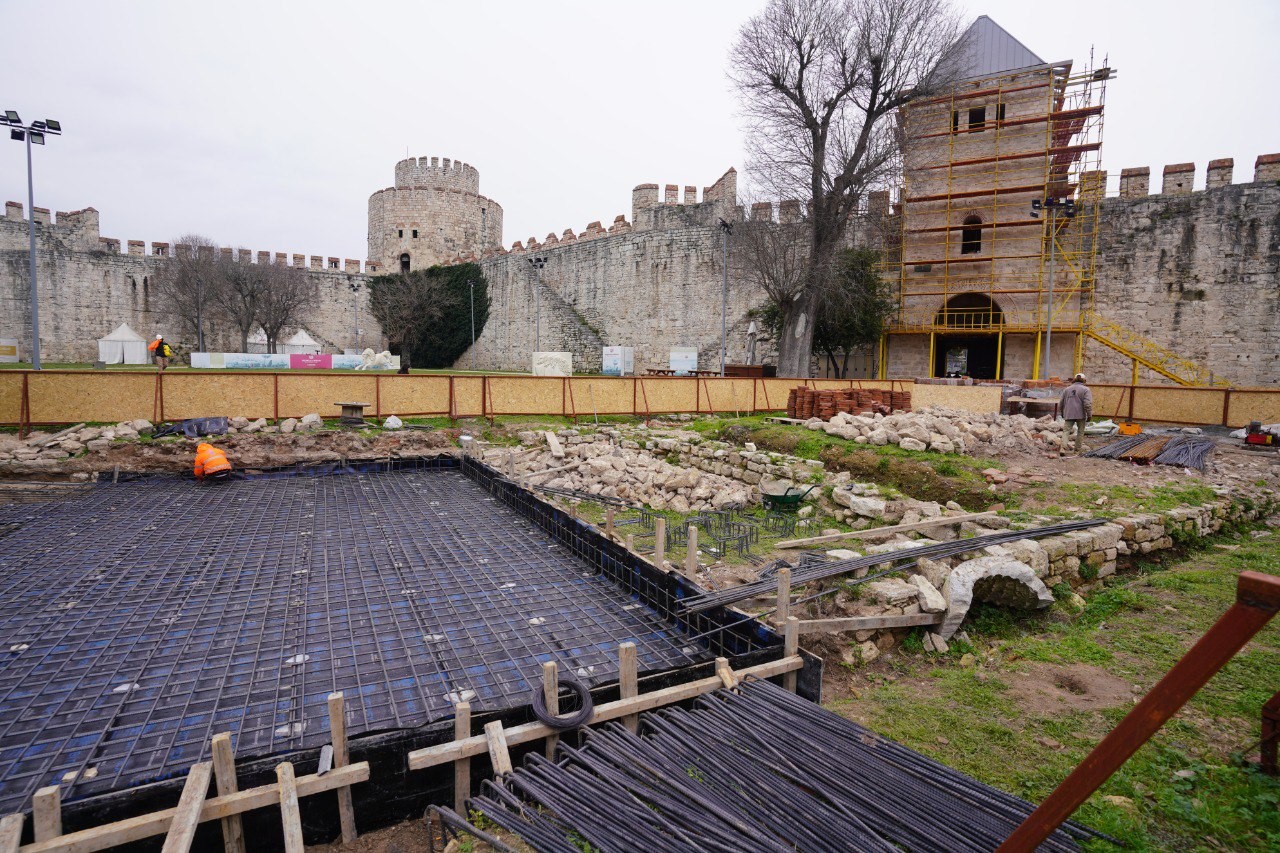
(727,228)
(31,234)
(1051,206)
(36,132)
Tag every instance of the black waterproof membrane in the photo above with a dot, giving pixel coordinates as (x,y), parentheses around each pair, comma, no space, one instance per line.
(142,618)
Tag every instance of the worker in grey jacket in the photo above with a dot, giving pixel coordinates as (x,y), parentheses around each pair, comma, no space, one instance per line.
(1077,408)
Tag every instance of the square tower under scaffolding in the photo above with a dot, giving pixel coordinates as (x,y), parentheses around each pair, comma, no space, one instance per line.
(998,209)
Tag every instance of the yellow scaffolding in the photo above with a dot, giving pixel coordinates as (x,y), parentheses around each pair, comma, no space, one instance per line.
(973,257)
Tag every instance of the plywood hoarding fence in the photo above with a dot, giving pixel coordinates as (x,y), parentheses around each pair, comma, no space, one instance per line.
(47,397)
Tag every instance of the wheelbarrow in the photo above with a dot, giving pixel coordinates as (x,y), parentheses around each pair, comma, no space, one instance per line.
(788,500)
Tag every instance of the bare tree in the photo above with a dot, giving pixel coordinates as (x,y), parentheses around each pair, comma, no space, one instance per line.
(819,82)
(187,284)
(239,294)
(285,296)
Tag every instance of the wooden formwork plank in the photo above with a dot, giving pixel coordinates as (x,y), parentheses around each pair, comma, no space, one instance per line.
(290,817)
(224,771)
(341,758)
(186,817)
(444,753)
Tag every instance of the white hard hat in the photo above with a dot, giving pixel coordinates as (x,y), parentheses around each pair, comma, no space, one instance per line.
(1080,376)
(158,337)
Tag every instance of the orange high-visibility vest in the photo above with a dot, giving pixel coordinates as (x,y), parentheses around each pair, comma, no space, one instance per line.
(211,462)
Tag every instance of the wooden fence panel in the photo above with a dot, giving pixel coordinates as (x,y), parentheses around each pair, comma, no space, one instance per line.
(967,398)
(1178,405)
(1253,405)
(604,395)
(305,393)
(70,397)
(413,395)
(526,395)
(728,395)
(674,394)
(202,395)
(10,396)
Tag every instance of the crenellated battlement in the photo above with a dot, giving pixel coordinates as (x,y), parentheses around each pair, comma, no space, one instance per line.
(1179,178)
(80,230)
(437,173)
(645,200)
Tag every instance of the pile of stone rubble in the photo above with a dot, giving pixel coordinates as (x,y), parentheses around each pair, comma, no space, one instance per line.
(946,431)
(604,464)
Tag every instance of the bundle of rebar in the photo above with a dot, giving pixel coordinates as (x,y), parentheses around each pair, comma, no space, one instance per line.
(820,571)
(1115,448)
(1187,451)
(805,403)
(751,768)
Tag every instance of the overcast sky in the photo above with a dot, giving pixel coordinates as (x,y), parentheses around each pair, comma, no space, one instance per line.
(267,125)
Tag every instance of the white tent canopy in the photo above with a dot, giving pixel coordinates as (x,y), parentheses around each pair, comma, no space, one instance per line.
(258,341)
(301,343)
(123,346)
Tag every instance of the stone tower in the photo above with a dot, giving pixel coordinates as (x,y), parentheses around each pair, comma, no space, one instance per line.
(433,214)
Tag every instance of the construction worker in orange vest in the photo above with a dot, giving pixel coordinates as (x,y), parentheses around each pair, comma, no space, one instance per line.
(211,462)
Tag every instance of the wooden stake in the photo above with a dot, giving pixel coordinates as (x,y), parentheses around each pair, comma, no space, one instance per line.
(660,542)
(157,823)
(224,771)
(628,681)
(289,816)
(461,767)
(790,648)
(341,758)
(725,673)
(608,522)
(691,555)
(784,596)
(182,831)
(46,813)
(498,753)
(551,695)
(631,543)
(10,833)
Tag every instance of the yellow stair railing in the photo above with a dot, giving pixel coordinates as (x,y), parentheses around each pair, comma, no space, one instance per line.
(1148,353)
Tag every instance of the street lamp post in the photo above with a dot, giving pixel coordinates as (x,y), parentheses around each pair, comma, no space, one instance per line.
(727,229)
(355,302)
(32,134)
(536,264)
(1053,207)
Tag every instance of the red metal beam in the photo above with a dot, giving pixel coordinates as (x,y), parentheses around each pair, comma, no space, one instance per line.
(1270,735)
(1257,600)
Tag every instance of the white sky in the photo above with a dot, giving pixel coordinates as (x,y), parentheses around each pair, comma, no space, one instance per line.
(267,125)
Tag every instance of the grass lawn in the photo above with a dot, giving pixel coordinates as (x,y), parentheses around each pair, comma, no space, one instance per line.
(1046,689)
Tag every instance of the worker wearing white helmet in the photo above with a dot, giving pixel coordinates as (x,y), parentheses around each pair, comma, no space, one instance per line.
(1077,408)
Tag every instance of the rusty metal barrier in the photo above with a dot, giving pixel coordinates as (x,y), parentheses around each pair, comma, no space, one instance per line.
(1257,600)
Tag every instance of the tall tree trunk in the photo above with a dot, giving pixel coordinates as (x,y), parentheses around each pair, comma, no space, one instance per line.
(795,347)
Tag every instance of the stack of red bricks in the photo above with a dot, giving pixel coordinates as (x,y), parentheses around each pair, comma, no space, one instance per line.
(804,403)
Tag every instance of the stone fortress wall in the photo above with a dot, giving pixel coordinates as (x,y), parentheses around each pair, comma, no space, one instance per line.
(651,283)
(433,213)
(1197,271)
(89,286)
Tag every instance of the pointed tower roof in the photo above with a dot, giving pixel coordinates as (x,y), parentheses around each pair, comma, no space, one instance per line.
(986,49)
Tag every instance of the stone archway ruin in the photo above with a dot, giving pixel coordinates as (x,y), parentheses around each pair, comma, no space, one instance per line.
(998,580)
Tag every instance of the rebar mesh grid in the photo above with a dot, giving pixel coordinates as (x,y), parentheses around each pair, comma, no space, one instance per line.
(141,619)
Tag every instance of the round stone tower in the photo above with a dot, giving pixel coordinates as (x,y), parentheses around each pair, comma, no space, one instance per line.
(433,214)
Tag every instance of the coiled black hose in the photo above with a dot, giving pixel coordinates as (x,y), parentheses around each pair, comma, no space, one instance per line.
(575,720)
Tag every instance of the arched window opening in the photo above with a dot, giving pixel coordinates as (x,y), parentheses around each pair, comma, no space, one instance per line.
(404,262)
(970,311)
(971,236)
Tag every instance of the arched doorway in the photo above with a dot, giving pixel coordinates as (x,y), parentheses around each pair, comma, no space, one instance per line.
(404,263)
(973,349)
